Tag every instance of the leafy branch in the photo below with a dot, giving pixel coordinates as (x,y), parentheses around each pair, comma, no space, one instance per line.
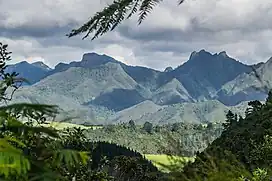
(112,15)
(9,81)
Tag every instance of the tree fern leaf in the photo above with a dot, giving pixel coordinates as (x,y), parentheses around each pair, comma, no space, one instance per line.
(13,139)
(134,9)
(28,110)
(70,157)
(105,20)
(12,159)
(84,157)
(180,2)
(146,7)
(111,16)
(47,175)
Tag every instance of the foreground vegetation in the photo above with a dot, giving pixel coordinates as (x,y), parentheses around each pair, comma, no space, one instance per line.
(65,125)
(167,163)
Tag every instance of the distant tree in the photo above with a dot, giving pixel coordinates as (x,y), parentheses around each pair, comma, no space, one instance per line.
(231,120)
(157,129)
(199,127)
(240,120)
(175,127)
(254,107)
(148,127)
(109,128)
(210,125)
(132,125)
(269,97)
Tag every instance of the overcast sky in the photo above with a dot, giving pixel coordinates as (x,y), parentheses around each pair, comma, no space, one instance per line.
(35,30)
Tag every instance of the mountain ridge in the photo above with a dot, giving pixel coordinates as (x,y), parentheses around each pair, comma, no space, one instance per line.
(100,88)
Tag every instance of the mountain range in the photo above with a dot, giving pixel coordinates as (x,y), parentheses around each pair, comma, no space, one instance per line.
(99,89)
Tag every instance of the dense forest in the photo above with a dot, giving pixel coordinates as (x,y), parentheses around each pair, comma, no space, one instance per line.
(239,149)
(159,139)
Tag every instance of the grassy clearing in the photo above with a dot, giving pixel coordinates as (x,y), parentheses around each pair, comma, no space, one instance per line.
(167,163)
(63,125)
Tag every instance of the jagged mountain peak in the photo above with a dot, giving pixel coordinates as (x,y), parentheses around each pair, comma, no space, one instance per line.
(223,53)
(89,60)
(94,58)
(42,65)
(103,70)
(206,56)
(91,55)
(168,69)
(204,51)
(23,62)
(193,54)
(203,74)
(200,53)
(31,72)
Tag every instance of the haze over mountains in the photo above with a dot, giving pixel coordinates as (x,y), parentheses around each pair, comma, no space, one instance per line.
(99,89)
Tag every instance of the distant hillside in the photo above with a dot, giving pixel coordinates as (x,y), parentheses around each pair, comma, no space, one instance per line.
(172,92)
(32,72)
(135,112)
(89,60)
(247,86)
(203,74)
(100,89)
(202,112)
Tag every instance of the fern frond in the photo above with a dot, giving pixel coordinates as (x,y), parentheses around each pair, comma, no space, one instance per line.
(134,9)
(12,160)
(107,19)
(15,126)
(14,140)
(112,15)
(70,157)
(30,110)
(180,2)
(146,7)
(47,175)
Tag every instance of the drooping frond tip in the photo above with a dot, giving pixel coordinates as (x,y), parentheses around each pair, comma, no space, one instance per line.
(112,15)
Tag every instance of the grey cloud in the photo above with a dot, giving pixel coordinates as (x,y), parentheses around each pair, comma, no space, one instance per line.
(34,31)
(167,37)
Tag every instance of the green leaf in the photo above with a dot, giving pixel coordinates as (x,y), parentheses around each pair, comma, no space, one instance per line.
(70,157)
(12,159)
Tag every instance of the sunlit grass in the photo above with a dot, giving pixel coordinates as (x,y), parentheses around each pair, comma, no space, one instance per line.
(63,125)
(166,163)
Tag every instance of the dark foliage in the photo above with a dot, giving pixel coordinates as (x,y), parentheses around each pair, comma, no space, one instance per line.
(110,151)
(245,146)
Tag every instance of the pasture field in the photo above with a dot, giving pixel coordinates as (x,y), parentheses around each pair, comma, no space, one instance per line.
(62,125)
(166,163)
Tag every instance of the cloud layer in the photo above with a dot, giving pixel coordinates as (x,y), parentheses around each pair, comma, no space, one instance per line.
(35,30)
